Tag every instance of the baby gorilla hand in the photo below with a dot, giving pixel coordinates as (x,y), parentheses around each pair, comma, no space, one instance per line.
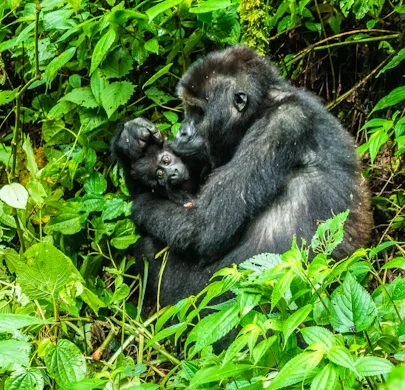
(135,137)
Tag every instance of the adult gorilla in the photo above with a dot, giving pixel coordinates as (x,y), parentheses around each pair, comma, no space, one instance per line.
(281,163)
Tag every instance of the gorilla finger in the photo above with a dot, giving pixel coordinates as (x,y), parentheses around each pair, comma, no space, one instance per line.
(140,146)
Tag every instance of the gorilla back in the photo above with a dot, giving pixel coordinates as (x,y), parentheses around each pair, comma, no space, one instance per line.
(281,164)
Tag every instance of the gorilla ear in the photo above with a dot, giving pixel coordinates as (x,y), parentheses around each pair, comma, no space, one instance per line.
(240,100)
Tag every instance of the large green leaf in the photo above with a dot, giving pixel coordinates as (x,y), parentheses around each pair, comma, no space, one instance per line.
(219,372)
(66,223)
(10,322)
(317,334)
(14,352)
(394,97)
(115,95)
(294,320)
(372,365)
(326,379)
(81,96)
(65,362)
(353,310)
(15,195)
(48,273)
(163,6)
(57,63)
(25,379)
(102,48)
(296,370)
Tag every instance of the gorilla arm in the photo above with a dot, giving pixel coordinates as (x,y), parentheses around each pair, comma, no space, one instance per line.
(233,193)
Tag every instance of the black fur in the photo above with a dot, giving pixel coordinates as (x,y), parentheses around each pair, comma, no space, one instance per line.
(280,164)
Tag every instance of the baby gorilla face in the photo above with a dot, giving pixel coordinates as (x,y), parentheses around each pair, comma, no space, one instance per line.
(170,170)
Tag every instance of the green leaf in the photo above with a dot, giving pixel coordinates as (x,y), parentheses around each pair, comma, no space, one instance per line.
(158,74)
(166,332)
(316,334)
(115,95)
(399,290)
(282,285)
(161,7)
(52,127)
(57,63)
(92,300)
(48,273)
(14,352)
(152,45)
(10,322)
(210,5)
(66,223)
(377,139)
(342,357)
(118,63)
(262,348)
(65,362)
(85,384)
(398,58)
(371,366)
(124,242)
(294,320)
(398,262)
(29,152)
(114,208)
(81,96)
(95,184)
(218,372)
(394,97)
(15,195)
(97,84)
(353,310)
(296,370)
(8,96)
(213,327)
(326,379)
(102,48)
(25,379)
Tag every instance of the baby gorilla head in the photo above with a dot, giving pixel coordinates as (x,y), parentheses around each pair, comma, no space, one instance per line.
(166,174)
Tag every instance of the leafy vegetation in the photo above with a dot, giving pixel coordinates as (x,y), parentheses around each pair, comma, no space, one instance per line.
(70,70)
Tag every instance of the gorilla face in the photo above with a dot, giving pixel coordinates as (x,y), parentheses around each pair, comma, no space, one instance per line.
(170,170)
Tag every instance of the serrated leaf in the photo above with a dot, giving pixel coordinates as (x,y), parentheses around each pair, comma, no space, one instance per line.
(118,63)
(213,327)
(10,322)
(342,357)
(81,96)
(15,195)
(57,63)
(25,379)
(376,141)
(152,45)
(115,95)
(182,326)
(210,5)
(217,373)
(316,334)
(113,208)
(326,379)
(97,85)
(394,97)
(262,348)
(399,290)
(8,96)
(163,6)
(66,223)
(92,300)
(353,310)
(282,285)
(158,74)
(52,127)
(102,48)
(294,320)
(95,184)
(6,219)
(296,370)
(65,362)
(14,352)
(48,273)
(371,366)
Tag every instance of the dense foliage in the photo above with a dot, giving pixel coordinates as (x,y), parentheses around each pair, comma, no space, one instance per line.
(70,70)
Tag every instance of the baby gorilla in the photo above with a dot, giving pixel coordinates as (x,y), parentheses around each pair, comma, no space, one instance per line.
(167,175)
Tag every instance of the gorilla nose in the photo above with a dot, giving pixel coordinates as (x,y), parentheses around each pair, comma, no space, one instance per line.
(184,134)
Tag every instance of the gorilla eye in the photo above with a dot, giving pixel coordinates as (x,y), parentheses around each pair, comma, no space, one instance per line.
(166,160)
(160,173)
(240,100)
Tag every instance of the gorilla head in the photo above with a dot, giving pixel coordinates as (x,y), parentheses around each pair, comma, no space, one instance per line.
(223,94)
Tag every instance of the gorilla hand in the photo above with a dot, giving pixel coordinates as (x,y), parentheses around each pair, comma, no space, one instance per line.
(133,139)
